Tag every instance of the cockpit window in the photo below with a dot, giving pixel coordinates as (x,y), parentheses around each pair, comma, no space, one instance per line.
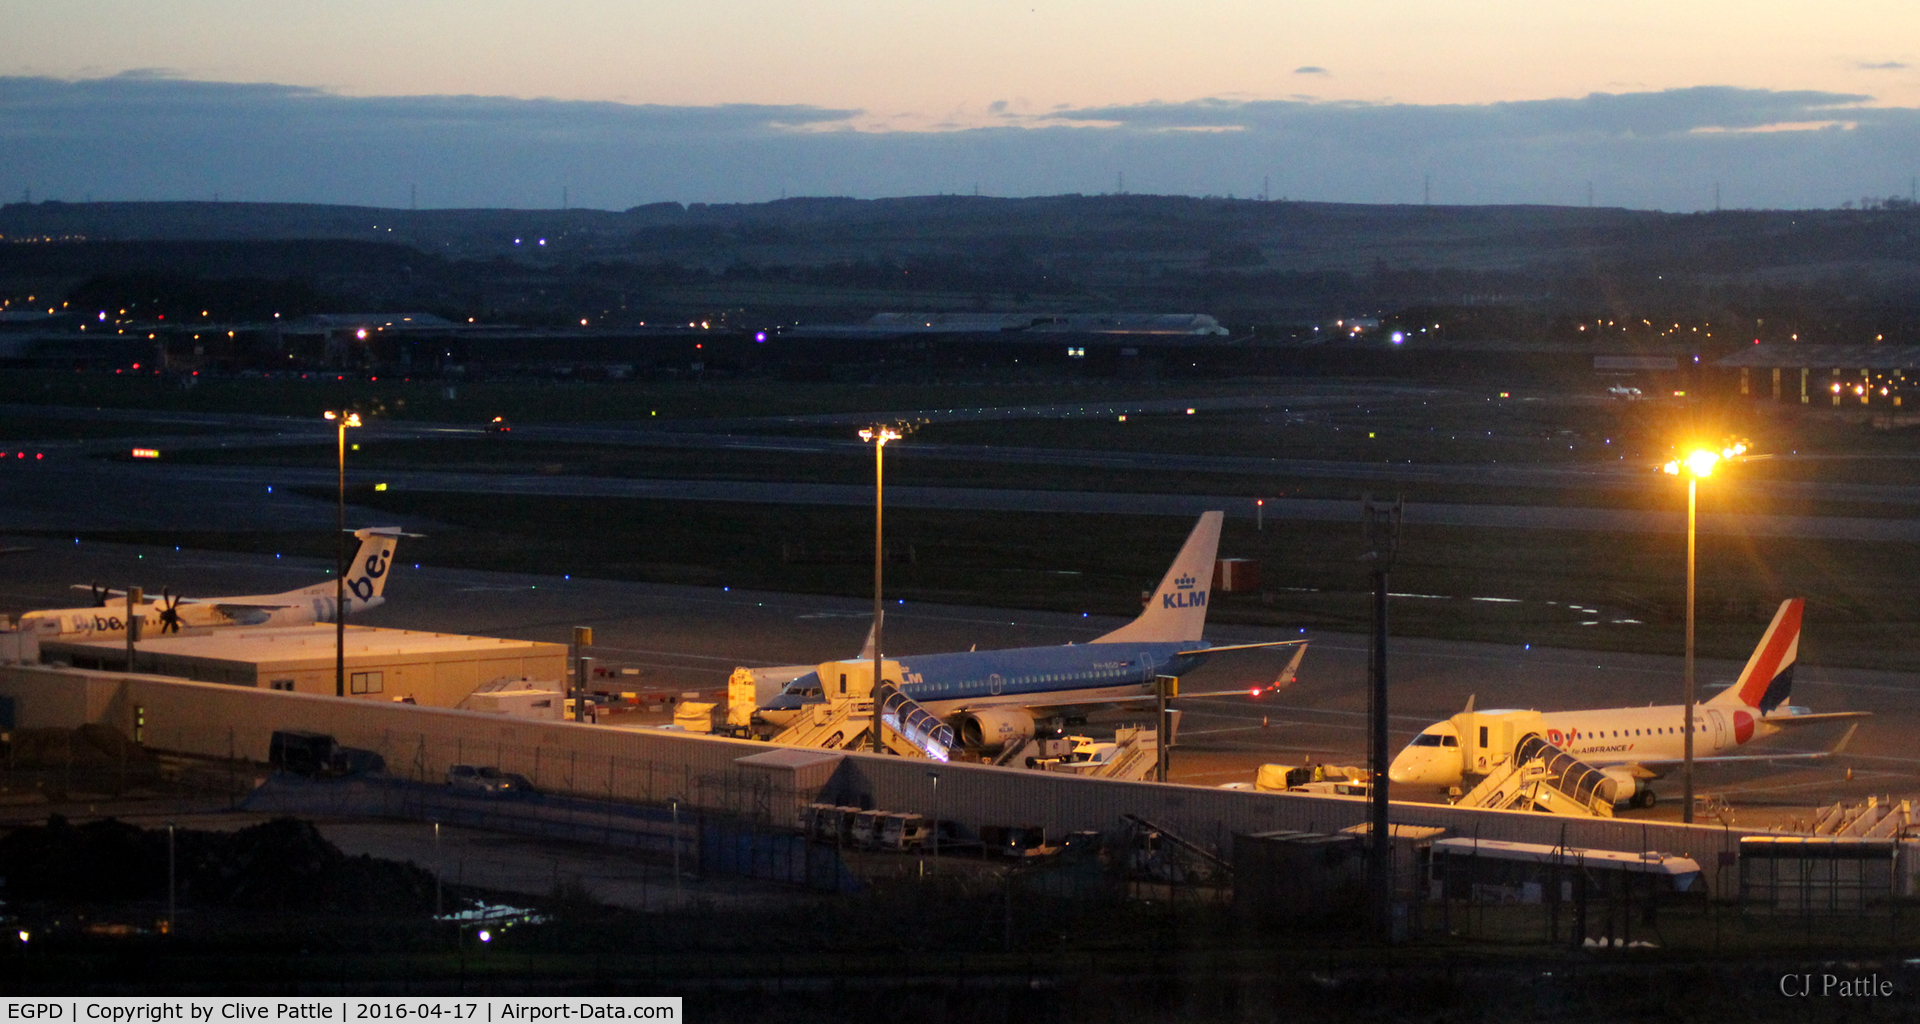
(1449,741)
(1427,739)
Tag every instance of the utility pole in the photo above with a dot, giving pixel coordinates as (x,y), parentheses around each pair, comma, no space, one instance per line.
(1165,688)
(582,639)
(134,597)
(1383,544)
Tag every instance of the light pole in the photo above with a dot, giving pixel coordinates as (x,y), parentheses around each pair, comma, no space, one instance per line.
(879,436)
(342,420)
(1698,463)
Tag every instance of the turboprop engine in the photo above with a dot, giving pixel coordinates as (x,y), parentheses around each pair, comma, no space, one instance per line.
(992,730)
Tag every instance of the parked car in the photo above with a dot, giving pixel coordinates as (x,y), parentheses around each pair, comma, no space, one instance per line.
(488,780)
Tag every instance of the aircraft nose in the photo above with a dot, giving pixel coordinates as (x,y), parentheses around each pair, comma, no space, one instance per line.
(1415,768)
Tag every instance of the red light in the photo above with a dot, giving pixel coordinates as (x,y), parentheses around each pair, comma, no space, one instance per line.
(136,366)
(39,455)
(375,378)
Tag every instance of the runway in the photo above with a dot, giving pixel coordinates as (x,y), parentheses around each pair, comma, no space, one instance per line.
(682,639)
(66,496)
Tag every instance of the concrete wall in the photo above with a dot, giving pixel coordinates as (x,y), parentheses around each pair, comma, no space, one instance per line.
(699,771)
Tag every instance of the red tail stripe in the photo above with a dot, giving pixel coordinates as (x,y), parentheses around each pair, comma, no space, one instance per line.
(1768,665)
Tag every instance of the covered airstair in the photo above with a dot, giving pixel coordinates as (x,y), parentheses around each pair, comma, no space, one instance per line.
(1542,777)
(907,729)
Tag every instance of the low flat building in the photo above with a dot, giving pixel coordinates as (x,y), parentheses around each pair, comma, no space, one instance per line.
(435,669)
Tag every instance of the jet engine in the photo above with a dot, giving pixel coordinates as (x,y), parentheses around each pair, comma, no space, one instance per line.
(991,730)
(1624,787)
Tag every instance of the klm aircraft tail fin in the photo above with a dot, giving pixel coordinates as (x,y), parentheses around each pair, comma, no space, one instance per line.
(1177,610)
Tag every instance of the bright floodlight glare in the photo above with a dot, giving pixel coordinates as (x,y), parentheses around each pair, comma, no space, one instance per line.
(330,414)
(1700,463)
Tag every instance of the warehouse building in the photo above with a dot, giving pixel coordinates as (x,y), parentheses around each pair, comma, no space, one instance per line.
(434,669)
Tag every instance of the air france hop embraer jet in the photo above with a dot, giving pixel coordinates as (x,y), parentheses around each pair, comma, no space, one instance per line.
(991,696)
(1628,745)
(366,579)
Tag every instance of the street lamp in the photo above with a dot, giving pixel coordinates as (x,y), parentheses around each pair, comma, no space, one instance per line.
(879,436)
(1695,465)
(342,420)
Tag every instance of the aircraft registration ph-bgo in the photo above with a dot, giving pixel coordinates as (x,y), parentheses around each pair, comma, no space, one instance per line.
(1628,745)
(993,698)
(366,579)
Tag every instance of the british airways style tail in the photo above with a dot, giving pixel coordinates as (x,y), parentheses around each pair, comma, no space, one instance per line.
(1768,678)
(1177,611)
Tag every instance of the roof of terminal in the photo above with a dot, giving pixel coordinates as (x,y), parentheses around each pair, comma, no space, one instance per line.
(1846,357)
(284,643)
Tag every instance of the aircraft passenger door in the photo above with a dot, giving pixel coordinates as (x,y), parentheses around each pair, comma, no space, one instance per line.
(1719,725)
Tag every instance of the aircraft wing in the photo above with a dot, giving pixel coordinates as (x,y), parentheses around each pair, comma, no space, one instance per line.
(1829,716)
(1238,647)
(229,607)
(1665,766)
(1280,681)
(1656,769)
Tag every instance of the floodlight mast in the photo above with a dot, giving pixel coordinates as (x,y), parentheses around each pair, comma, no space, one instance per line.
(341,420)
(1695,465)
(878,436)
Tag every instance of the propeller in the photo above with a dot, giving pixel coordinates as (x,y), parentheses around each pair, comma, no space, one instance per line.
(169,612)
(100,594)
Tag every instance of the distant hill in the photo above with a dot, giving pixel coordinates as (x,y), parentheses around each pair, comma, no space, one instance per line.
(1245,260)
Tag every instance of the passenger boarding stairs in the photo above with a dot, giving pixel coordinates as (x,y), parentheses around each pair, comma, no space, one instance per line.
(1878,818)
(1542,777)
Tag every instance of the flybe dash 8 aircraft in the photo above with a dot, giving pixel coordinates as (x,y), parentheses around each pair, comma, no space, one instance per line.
(107,619)
(992,698)
(1628,745)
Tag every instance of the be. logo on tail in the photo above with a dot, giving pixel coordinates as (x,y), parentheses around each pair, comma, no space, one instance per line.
(1184,596)
(362,586)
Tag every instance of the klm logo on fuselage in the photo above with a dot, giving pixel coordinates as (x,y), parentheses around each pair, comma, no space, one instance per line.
(1184,596)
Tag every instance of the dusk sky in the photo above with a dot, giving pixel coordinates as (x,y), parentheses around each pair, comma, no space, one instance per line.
(494,102)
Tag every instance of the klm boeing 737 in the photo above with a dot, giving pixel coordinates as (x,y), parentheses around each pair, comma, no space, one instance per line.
(992,698)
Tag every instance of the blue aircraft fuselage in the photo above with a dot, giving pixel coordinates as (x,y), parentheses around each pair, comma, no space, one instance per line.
(1018,676)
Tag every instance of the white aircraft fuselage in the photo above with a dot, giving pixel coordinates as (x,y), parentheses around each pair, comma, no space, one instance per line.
(365,581)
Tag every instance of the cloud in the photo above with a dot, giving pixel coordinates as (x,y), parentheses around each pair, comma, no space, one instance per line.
(1616,114)
(1311,70)
(155,136)
(1891,65)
